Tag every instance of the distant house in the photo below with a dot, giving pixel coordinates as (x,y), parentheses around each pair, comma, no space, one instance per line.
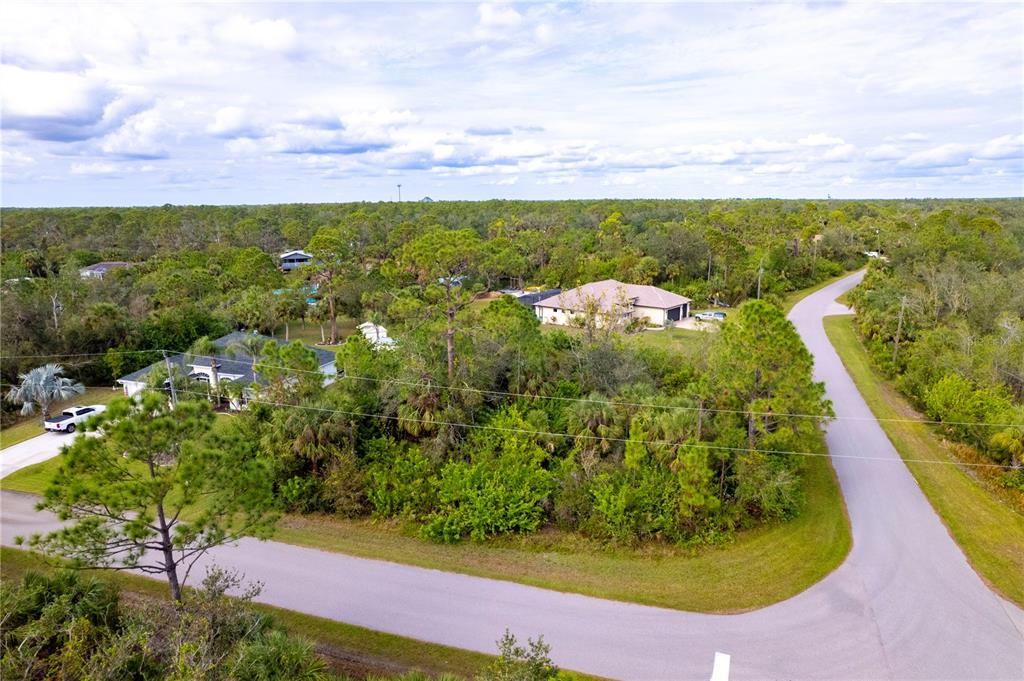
(235,368)
(631,301)
(376,334)
(293,260)
(100,269)
(531,298)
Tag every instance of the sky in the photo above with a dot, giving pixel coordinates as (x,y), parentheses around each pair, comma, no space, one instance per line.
(153,103)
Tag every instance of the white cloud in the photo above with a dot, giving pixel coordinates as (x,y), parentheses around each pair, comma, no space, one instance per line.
(144,135)
(842,152)
(884,152)
(94,168)
(496,15)
(277,35)
(953,154)
(593,94)
(780,168)
(230,121)
(9,157)
(820,139)
(1005,147)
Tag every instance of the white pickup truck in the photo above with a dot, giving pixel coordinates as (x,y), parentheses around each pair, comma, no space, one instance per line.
(70,418)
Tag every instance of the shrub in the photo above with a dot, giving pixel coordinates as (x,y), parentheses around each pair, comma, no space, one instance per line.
(277,656)
(521,663)
(954,401)
(501,491)
(343,487)
(630,505)
(301,494)
(399,480)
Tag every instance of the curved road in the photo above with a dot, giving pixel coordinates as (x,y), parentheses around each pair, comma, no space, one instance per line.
(904,605)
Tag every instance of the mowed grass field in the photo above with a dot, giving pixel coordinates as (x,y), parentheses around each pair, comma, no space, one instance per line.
(30,426)
(989,531)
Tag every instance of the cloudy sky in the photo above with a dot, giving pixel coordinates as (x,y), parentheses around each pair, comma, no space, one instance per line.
(265,103)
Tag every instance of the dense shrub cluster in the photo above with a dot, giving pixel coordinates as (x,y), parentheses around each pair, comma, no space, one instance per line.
(65,627)
(604,436)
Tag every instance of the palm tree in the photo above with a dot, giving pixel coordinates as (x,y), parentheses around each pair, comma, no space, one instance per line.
(250,346)
(204,348)
(43,386)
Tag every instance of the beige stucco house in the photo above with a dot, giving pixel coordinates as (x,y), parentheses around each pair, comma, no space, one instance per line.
(627,301)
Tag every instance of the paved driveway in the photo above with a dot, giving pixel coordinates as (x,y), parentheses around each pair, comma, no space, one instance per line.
(904,605)
(33,451)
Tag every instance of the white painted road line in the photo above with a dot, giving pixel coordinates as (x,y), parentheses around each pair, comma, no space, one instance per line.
(720,672)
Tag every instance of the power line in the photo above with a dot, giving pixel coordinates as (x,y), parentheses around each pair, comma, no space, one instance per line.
(613,403)
(669,443)
(646,405)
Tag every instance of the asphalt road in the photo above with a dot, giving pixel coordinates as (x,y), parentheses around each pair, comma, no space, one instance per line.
(904,605)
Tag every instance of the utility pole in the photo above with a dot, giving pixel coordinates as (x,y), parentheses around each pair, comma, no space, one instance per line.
(170,379)
(878,241)
(899,328)
(399,193)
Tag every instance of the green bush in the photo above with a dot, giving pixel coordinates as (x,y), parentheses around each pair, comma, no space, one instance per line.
(630,505)
(343,488)
(501,491)
(301,494)
(531,662)
(277,657)
(955,402)
(399,480)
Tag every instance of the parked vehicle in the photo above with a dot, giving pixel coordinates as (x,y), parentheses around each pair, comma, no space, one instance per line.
(69,419)
(710,316)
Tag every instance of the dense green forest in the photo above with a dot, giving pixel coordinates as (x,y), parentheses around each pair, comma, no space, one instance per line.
(944,316)
(480,422)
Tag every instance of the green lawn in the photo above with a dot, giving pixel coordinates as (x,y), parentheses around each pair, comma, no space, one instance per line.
(309,332)
(30,426)
(759,567)
(348,648)
(989,531)
(686,341)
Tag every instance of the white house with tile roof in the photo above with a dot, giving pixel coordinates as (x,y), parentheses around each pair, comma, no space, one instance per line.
(632,301)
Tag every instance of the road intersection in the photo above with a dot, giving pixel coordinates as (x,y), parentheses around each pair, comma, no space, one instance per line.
(904,605)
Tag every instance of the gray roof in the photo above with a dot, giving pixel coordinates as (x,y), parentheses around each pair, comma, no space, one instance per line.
(238,365)
(608,293)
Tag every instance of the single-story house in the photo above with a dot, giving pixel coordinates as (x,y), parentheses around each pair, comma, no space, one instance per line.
(231,368)
(293,260)
(630,301)
(100,269)
(376,334)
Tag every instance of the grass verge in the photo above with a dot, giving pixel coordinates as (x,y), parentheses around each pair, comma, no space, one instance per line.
(30,426)
(757,568)
(349,649)
(988,531)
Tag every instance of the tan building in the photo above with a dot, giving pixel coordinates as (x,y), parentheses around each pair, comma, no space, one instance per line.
(628,301)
